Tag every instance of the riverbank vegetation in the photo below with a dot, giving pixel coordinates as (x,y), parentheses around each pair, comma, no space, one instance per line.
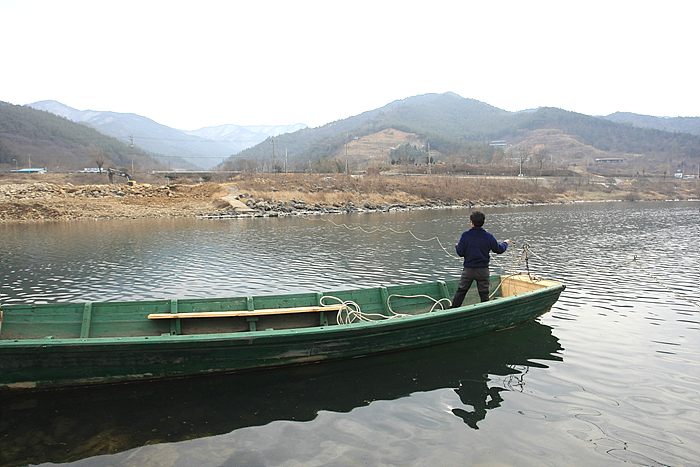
(443,189)
(88,196)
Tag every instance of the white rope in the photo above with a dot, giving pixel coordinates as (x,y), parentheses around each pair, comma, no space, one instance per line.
(633,260)
(436,303)
(664,286)
(389,229)
(350,311)
(513,262)
(527,249)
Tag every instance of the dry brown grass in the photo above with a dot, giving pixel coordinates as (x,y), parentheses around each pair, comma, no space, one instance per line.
(339,188)
(67,202)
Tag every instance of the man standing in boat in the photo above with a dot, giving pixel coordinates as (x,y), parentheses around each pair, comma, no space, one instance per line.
(475,246)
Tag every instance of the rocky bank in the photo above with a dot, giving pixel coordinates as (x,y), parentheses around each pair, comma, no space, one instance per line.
(42,199)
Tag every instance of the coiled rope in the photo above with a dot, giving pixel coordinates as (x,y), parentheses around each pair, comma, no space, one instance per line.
(350,311)
(436,303)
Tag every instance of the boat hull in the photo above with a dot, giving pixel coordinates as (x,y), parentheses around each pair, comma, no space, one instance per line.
(37,363)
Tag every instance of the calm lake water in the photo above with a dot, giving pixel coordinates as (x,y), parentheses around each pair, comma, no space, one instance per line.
(611,376)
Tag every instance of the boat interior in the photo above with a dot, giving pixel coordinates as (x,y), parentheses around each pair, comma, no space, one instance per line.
(240,314)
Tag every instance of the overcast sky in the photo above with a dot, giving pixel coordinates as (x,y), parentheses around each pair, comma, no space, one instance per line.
(203,63)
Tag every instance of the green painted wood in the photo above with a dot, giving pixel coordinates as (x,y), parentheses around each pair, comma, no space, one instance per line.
(385,301)
(122,344)
(252,323)
(322,318)
(87,316)
(175,325)
(443,290)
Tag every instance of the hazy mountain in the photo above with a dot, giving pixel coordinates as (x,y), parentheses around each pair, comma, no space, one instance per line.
(34,138)
(237,133)
(455,129)
(241,137)
(683,124)
(460,129)
(203,148)
(443,117)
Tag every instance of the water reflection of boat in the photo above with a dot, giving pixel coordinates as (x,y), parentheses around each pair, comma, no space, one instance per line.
(68,344)
(71,424)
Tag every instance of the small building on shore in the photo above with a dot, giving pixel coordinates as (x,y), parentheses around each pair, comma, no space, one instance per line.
(611,160)
(30,171)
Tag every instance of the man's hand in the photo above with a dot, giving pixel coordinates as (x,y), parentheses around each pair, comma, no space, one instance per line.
(507,241)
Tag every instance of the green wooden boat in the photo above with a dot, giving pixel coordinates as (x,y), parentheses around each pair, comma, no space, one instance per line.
(71,344)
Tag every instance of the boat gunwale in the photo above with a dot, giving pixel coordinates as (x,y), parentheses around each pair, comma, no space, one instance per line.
(399,322)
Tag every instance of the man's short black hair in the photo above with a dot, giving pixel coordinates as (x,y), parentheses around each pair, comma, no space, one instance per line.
(477,218)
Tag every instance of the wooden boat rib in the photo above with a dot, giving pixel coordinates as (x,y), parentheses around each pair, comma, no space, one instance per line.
(67,344)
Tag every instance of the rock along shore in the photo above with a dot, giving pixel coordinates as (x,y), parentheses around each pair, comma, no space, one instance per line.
(299,195)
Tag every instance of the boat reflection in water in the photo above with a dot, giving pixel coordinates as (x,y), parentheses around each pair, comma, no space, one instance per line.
(71,424)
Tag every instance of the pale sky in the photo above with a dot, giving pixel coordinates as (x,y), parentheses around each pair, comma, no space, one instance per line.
(202,63)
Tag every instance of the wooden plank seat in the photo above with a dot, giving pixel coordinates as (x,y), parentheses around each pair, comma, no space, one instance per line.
(262,312)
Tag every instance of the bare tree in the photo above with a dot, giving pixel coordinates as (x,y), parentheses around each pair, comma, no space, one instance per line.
(541,157)
(98,156)
(247,165)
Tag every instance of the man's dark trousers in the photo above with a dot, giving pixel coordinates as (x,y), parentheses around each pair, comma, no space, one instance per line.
(482,278)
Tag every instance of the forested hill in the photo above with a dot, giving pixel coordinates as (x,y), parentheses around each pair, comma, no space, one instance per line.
(454,127)
(447,120)
(455,130)
(674,124)
(609,136)
(42,139)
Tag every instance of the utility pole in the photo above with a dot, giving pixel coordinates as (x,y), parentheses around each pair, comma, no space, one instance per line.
(428,158)
(131,137)
(285,160)
(272,141)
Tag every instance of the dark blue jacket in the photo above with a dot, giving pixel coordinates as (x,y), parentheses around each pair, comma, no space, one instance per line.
(475,245)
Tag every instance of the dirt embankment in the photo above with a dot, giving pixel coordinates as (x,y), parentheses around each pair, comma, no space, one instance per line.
(57,197)
(48,201)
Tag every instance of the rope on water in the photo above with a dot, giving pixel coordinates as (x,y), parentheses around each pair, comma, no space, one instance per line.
(527,249)
(389,229)
(663,285)
(524,258)
(634,260)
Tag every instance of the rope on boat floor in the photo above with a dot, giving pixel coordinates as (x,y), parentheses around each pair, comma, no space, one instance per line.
(351,312)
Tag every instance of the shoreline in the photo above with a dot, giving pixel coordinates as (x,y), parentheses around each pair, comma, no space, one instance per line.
(281,195)
(310,213)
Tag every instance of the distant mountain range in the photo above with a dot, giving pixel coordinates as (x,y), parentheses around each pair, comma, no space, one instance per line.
(455,130)
(682,124)
(203,148)
(31,138)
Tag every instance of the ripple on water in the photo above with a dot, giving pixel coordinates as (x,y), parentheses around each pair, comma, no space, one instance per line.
(626,391)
